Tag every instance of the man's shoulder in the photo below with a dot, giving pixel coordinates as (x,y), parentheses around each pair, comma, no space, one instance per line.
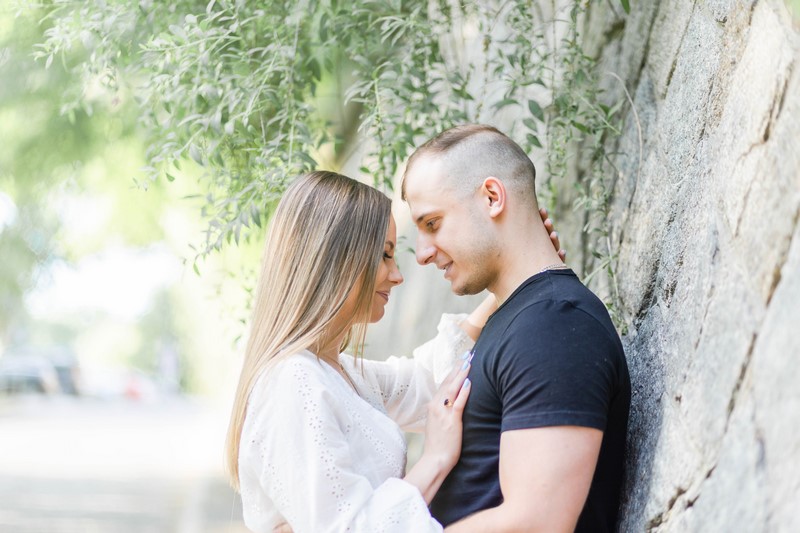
(559,311)
(565,303)
(572,322)
(551,287)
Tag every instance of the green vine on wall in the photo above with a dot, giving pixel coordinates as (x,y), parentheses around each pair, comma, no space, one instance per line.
(239,89)
(581,127)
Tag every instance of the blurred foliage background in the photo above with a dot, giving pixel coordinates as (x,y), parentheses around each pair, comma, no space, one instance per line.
(93,264)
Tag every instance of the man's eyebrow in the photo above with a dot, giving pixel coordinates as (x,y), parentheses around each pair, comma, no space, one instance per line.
(421,217)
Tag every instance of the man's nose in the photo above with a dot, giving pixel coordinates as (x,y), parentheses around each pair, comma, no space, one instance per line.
(425,252)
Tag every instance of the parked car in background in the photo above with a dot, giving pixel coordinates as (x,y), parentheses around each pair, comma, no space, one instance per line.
(28,375)
(42,371)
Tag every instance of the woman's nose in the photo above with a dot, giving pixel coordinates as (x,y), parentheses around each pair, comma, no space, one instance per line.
(395,276)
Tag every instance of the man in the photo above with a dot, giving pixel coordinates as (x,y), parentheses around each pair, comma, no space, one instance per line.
(546,420)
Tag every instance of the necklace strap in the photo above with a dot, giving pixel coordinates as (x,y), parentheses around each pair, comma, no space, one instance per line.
(554,266)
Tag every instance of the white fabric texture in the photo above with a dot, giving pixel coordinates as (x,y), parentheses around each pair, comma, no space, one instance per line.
(318,455)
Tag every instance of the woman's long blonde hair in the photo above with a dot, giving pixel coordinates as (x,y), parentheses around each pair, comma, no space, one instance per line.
(326,238)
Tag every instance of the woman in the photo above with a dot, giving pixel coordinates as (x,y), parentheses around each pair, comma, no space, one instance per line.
(315,436)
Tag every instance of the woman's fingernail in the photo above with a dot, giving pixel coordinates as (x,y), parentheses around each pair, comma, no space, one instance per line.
(466,354)
(465,365)
(467,383)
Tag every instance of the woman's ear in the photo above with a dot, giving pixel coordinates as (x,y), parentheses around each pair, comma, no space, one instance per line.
(494,194)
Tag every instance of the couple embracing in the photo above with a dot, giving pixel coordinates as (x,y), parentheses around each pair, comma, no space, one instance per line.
(524,402)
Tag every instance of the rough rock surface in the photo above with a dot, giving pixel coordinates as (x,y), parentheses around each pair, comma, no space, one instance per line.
(705,221)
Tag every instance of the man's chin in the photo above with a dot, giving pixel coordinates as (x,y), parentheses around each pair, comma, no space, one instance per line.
(463,289)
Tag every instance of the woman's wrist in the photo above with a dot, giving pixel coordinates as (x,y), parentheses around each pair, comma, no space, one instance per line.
(428,474)
(470,329)
(473,324)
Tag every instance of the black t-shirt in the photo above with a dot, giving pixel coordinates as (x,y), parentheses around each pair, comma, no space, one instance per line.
(549,356)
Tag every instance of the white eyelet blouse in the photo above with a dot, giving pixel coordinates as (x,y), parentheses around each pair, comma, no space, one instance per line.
(318,455)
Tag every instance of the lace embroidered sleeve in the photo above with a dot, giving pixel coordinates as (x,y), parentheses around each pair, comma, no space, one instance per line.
(439,354)
(298,440)
(406,385)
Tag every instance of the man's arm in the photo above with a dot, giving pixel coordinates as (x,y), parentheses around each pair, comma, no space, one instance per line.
(545,475)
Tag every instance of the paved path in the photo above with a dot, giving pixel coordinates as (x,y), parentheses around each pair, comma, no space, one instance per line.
(87,466)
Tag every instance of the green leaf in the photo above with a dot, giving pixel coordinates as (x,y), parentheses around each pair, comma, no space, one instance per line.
(626,5)
(613,111)
(536,110)
(316,72)
(530,124)
(582,127)
(194,153)
(534,140)
(323,27)
(504,102)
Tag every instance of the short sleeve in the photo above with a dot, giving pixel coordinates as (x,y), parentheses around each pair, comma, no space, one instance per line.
(565,375)
(295,441)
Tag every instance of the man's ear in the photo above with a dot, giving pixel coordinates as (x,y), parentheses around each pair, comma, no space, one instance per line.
(494,194)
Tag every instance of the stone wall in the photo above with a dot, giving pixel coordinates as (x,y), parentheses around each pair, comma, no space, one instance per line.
(705,221)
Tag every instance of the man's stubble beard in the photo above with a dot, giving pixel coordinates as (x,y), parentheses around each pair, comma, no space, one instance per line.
(483,256)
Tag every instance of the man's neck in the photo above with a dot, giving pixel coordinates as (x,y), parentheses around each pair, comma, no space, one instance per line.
(523,258)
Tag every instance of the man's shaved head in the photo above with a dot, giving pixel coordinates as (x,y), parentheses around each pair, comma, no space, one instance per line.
(473,152)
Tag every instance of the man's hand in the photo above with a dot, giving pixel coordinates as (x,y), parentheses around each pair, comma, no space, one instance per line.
(548,226)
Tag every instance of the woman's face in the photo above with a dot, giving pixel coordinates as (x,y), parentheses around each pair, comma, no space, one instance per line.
(388,274)
(387,277)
